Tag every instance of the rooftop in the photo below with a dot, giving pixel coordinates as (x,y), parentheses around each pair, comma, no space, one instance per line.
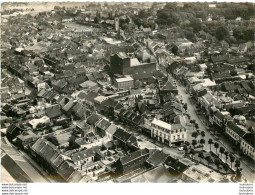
(161,123)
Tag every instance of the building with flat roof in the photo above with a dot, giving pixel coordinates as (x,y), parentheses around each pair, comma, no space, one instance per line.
(124,83)
(122,64)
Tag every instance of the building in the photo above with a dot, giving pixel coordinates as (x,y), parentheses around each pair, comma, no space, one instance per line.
(122,64)
(248,145)
(124,83)
(235,132)
(131,162)
(168,133)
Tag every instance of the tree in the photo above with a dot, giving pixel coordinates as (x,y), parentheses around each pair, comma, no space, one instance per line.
(217,162)
(96,20)
(233,73)
(194,134)
(216,146)
(174,49)
(196,126)
(185,106)
(185,148)
(225,167)
(210,142)
(202,134)
(237,163)
(226,155)
(187,143)
(194,143)
(201,155)
(202,141)
(192,152)
(221,33)
(138,84)
(192,122)
(222,150)
(209,159)
(71,142)
(232,159)
(238,174)
(248,35)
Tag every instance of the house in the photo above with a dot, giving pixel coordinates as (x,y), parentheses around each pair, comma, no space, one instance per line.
(235,133)
(131,162)
(92,120)
(67,108)
(110,107)
(157,158)
(168,133)
(85,156)
(68,173)
(131,118)
(87,98)
(122,64)
(101,126)
(200,174)
(79,111)
(165,88)
(125,140)
(53,111)
(13,131)
(248,145)
(89,86)
(124,83)
(47,154)
(34,123)
(219,119)
(111,130)
(25,139)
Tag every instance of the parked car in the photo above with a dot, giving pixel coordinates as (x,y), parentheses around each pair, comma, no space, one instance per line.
(181,149)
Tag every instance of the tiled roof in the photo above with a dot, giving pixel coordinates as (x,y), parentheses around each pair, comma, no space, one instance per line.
(132,156)
(157,157)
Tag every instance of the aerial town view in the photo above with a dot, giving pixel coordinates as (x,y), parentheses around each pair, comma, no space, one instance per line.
(128,92)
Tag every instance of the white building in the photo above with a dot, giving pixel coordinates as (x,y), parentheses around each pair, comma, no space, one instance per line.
(124,83)
(168,133)
(248,145)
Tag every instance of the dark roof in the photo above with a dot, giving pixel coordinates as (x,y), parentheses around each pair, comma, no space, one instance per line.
(219,115)
(157,157)
(219,58)
(122,135)
(236,129)
(78,156)
(103,124)
(53,111)
(250,139)
(66,170)
(91,120)
(132,156)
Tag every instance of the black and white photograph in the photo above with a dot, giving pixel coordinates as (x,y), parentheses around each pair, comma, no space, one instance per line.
(128,92)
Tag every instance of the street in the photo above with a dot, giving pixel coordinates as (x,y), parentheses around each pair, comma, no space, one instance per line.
(247,172)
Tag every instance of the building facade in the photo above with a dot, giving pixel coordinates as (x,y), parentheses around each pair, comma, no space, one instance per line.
(166,133)
(124,83)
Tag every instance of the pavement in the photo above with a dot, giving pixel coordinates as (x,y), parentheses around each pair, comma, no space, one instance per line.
(247,169)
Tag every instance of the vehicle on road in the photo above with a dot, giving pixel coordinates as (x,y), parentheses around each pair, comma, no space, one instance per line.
(180,148)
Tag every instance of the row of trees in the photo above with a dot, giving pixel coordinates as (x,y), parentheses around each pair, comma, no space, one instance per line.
(209,159)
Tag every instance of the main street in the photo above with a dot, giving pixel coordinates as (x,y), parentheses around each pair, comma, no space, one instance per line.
(247,171)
